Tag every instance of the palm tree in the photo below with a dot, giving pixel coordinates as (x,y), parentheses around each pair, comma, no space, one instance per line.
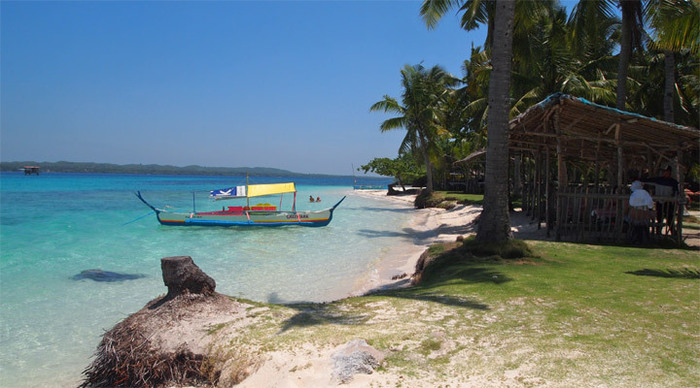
(500,15)
(631,38)
(495,219)
(675,25)
(423,92)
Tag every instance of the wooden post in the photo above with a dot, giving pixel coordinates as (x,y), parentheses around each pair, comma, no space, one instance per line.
(517,181)
(680,200)
(547,191)
(561,175)
(597,165)
(620,180)
(538,190)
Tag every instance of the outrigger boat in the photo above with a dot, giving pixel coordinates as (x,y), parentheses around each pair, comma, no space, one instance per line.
(262,214)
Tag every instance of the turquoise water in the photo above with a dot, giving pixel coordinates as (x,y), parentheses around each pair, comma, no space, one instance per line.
(54,226)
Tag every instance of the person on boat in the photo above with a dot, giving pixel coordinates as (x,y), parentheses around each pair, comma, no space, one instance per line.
(311,198)
(318,199)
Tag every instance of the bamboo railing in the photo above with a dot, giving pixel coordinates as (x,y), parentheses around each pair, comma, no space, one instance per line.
(586,215)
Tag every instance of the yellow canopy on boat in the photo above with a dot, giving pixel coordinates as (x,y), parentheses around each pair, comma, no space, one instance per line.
(270,188)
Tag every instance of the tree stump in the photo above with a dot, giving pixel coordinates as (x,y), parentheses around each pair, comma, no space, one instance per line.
(182,276)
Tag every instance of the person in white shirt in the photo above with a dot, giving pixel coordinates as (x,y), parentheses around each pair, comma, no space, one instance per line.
(640,204)
(640,197)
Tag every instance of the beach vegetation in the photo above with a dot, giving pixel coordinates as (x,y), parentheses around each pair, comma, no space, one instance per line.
(447,199)
(228,364)
(403,168)
(423,93)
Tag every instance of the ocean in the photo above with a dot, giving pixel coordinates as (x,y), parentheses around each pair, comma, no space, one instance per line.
(54,226)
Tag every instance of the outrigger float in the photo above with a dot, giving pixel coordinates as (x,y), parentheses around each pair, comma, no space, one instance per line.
(262,214)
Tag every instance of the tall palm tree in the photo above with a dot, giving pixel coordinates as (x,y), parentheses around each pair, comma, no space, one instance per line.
(495,219)
(631,37)
(418,112)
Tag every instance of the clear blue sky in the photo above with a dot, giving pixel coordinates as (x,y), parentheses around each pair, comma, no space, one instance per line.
(282,84)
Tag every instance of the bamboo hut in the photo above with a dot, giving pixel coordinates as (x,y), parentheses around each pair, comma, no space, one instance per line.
(573,161)
(578,159)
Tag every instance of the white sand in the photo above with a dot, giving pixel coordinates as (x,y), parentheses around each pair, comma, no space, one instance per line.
(431,226)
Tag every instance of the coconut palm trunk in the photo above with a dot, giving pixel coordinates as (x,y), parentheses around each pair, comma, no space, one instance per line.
(630,38)
(669,85)
(428,164)
(494,224)
(623,65)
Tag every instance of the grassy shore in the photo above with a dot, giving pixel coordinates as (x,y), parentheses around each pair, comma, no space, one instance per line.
(572,315)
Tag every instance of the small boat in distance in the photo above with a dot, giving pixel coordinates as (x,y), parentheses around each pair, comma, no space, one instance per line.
(262,214)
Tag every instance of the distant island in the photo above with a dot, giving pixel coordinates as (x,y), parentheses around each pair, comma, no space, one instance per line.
(149,169)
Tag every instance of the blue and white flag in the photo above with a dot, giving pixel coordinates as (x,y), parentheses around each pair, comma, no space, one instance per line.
(231,192)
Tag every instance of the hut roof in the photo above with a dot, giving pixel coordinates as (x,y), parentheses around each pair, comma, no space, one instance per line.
(587,131)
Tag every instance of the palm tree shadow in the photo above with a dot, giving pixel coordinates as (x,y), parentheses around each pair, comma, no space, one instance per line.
(438,297)
(313,314)
(685,273)
(459,274)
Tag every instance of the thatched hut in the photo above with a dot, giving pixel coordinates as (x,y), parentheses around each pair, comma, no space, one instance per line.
(577,159)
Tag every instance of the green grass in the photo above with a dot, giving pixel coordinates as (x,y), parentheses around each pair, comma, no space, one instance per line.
(447,199)
(475,199)
(561,315)
(633,312)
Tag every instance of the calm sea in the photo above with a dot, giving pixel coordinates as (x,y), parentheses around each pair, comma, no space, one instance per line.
(54,226)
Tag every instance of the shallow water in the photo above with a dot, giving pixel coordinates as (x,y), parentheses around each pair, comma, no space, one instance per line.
(54,226)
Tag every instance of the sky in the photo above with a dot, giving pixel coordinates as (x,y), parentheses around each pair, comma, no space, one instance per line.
(280,84)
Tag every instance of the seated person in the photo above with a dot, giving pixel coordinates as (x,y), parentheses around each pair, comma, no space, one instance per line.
(639,214)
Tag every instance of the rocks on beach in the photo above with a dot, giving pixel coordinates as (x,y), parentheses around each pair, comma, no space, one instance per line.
(355,357)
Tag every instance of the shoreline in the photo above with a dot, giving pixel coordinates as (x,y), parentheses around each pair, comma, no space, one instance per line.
(426,227)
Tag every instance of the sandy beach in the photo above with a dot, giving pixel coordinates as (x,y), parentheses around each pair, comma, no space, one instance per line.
(429,226)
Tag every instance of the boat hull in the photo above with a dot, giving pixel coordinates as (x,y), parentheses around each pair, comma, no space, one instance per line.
(250,218)
(238,217)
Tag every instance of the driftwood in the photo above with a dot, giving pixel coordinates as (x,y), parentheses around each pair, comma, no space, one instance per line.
(134,354)
(181,275)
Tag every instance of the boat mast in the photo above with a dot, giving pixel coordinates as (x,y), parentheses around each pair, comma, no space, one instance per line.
(247,198)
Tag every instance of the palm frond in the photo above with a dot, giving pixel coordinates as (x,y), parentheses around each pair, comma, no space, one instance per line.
(433,10)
